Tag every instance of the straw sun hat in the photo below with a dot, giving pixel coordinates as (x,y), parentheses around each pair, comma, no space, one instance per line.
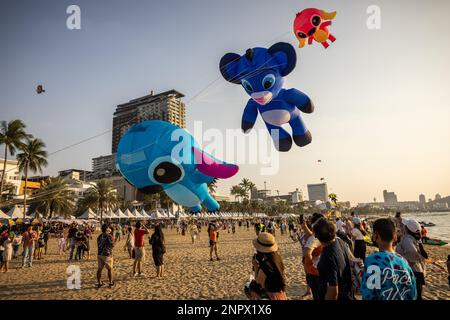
(265,243)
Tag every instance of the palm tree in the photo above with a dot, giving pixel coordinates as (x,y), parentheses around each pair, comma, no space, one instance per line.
(150,201)
(32,158)
(165,200)
(102,196)
(247,186)
(12,135)
(54,197)
(236,191)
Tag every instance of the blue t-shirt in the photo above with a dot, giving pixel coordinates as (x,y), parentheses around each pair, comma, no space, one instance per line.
(387,276)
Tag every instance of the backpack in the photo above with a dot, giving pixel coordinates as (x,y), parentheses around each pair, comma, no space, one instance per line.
(356,267)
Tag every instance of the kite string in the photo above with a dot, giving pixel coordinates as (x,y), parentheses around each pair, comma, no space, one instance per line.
(207,87)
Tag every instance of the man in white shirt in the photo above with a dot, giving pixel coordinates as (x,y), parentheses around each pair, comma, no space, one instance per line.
(340,225)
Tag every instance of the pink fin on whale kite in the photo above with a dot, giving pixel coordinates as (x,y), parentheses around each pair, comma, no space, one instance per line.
(212,167)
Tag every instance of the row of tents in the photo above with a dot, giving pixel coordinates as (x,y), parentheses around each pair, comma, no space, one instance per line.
(161,214)
(17,213)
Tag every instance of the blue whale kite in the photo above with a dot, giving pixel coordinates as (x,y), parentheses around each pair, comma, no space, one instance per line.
(260,71)
(156,155)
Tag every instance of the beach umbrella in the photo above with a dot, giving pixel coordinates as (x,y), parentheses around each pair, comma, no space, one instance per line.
(35,222)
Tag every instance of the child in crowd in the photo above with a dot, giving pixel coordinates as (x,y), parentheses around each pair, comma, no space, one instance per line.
(7,253)
(61,244)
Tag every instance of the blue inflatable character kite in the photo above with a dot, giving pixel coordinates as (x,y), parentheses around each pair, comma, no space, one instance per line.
(156,155)
(260,71)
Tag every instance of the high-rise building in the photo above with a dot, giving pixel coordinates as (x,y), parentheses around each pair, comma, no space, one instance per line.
(318,191)
(103,166)
(422,199)
(166,106)
(390,198)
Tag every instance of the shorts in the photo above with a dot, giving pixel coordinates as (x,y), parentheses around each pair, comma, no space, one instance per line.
(105,262)
(139,254)
(212,243)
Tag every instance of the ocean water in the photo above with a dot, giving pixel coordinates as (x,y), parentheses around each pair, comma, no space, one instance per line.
(440,219)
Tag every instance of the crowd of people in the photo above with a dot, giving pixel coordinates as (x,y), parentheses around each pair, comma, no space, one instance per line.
(333,252)
(335,262)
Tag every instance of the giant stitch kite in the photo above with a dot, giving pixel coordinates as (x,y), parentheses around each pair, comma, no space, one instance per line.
(156,155)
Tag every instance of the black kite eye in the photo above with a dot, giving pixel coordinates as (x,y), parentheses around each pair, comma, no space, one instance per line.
(167,172)
(315,21)
(301,35)
(247,85)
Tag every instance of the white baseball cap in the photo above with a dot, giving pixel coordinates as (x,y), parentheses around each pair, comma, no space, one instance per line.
(412,225)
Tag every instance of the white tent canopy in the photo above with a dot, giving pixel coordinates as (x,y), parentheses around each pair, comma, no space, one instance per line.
(88,214)
(119,214)
(15,212)
(137,215)
(4,215)
(108,214)
(145,215)
(160,215)
(128,214)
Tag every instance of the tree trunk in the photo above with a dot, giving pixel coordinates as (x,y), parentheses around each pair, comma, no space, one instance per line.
(51,209)
(4,172)
(25,192)
(101,211)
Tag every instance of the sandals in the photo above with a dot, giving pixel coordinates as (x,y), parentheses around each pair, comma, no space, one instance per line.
(112,284)
(100,285)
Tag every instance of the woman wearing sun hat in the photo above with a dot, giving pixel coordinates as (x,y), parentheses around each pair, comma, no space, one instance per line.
(269,280)
(411,248)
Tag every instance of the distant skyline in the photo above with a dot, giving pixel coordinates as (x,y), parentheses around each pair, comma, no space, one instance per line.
(381,96)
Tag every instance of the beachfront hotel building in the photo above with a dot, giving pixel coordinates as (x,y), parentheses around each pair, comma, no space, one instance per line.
(12,174)
(166,106)
(318,191)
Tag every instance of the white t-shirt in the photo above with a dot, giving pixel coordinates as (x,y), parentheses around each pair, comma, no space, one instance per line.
(340,225)
(312,243)
(357,234)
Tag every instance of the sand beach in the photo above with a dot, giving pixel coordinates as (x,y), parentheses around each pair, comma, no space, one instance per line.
(189,273)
